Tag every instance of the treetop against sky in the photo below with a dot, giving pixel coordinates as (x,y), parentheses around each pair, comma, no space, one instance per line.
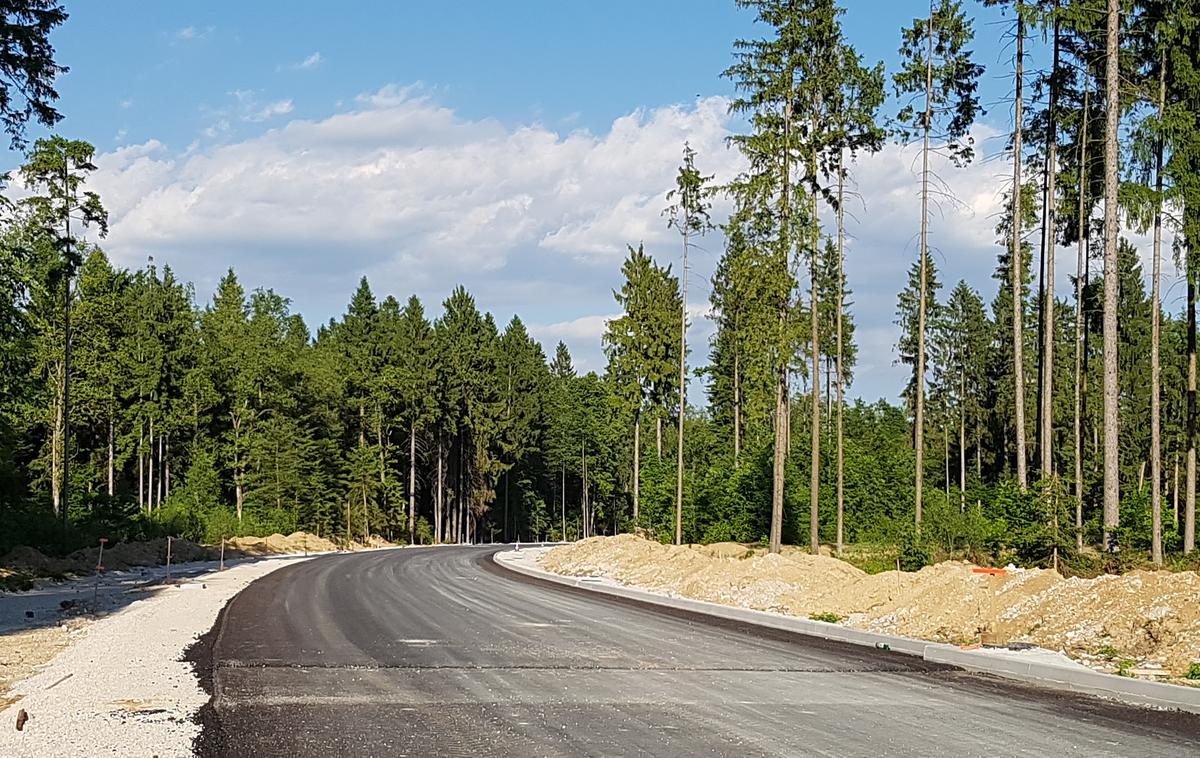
(514,148)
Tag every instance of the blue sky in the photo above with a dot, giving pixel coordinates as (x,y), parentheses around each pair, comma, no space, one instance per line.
(513,147)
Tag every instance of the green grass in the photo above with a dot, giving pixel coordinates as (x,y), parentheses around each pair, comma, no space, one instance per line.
(829,618)
(1107,652)
(1193,671)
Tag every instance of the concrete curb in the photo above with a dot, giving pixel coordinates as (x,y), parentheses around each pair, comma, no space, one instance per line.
(1073,678)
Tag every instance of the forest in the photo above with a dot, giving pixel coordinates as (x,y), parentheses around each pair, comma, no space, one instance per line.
(1033,427)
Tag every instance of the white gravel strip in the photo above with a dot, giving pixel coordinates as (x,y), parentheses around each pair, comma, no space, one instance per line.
(121,689)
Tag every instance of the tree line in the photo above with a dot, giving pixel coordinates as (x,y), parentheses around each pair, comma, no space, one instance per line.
(1031,425)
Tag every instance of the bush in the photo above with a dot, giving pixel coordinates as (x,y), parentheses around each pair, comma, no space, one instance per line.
(914,555)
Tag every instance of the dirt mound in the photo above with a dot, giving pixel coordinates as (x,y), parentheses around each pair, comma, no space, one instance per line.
(1152,618)
(277,544)
(724,550)
(31,559)
(125,555)
(759,581)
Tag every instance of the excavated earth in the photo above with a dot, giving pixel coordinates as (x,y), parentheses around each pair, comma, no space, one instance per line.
(124,555)
(1145,622)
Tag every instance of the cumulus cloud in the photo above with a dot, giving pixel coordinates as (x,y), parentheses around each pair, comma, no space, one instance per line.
(532,219)
(270,110)
(402,178)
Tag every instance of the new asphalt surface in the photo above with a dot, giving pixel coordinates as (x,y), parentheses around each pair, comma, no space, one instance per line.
(438,652)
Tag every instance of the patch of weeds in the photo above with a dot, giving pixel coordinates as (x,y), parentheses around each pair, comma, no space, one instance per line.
(1124,667)
(832,618)
(1107,652)
(1193,671)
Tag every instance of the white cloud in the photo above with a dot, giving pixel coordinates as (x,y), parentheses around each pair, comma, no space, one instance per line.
(403,179)
(270,110)
(532,219)
(310,62)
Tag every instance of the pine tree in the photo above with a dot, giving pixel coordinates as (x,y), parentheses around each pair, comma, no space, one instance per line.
(689,215)
(642,347)
(1112,474)
(937,66)
(59,168)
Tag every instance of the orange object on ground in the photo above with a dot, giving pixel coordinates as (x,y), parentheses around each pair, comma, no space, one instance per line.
(989,571)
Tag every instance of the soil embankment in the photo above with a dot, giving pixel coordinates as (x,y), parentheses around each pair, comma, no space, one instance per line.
(1141,622)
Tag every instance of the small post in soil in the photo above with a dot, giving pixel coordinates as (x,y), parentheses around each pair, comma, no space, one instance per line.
(99,570)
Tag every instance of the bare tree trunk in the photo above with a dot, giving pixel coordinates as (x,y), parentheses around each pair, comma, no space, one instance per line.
(1046,443)
(56,446)
(1018,301)
(946,463)
(237,469)
(658,433)
(412,482)
(840,375)
(564,503)
(919,416)
(737,405)
(682,393)
(814,482)
(1080,279)
(1189,495)
(141,466)
(1156,549)
(439,509)
(779,464)
(161,473)
(637,462)
(962,443)
(1112,471)
(1175,494)
(111,458)
(150,504)
(583,495)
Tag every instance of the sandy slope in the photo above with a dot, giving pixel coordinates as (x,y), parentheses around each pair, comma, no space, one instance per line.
(1151,618)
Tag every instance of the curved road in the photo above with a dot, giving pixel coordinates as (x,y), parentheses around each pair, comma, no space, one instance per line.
(434,651)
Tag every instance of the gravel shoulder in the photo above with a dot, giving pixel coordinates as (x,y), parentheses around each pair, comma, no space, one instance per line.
(117,685)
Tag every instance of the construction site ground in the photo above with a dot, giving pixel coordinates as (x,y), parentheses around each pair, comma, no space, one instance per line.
(1144,623)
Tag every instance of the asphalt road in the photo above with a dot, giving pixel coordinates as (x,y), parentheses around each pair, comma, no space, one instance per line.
(437,652)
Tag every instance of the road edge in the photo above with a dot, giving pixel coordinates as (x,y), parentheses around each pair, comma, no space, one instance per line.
(1078,680)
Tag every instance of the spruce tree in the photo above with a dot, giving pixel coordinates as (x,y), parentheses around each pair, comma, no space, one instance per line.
(940,78)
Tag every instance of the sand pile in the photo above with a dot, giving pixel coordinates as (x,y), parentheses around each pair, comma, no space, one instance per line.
(277,544)
(125,555)
(760,581)
(1152,618)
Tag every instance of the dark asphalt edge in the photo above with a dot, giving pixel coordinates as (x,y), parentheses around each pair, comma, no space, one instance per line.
(1183,724)
(210,740)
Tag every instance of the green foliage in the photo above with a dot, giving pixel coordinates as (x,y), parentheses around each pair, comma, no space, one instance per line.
(1193,672)
(828,618)
(914,553)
